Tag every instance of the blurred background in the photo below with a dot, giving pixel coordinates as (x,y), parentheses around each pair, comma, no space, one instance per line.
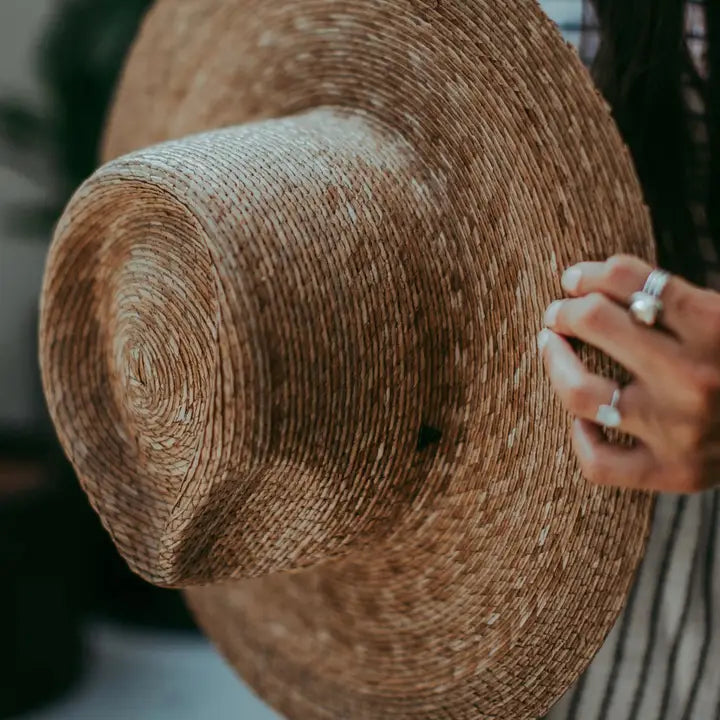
(81,638)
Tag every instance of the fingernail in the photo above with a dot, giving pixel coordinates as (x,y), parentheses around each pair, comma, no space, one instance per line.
(571,279)
(542,339)
(552,312)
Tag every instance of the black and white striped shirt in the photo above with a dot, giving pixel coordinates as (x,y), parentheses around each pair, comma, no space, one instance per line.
(662,659)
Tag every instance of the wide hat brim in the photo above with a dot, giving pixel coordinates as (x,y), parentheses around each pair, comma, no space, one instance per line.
(491,599)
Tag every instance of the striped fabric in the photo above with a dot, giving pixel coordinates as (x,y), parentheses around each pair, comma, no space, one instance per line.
(662,659)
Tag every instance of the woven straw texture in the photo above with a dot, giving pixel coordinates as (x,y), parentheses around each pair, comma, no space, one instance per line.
(290,349)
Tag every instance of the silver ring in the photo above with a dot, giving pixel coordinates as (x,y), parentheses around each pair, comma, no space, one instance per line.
(646,305)
(608,415)
(656,282)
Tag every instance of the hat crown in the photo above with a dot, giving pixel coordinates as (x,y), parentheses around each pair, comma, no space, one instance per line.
(254,320)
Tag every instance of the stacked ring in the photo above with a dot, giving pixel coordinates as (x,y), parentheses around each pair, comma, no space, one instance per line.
(646,305)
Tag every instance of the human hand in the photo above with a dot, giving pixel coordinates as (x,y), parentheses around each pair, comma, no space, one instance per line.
(672,405)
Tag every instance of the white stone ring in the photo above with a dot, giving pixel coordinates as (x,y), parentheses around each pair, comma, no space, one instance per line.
(646,305)
(608,415)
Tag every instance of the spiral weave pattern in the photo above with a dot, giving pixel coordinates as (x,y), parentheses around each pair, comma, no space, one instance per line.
(290,348)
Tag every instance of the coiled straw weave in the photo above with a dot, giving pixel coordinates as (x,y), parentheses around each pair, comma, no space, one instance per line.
(290,349)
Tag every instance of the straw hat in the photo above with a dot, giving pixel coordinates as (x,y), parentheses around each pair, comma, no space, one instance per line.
(293,361)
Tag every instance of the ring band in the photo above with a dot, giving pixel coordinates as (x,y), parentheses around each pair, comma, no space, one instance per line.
(646,305)
(656,282)
(608,415)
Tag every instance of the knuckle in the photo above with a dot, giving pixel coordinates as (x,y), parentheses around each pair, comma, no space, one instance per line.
(685,303)
(593,314)
(577,396)
(704,391)
(620,270)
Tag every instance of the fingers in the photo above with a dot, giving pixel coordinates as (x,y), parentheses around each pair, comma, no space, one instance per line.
(602,323)
(671,405)
(622,275)
(653,463)
(582,393)
(605,464)
(635,468)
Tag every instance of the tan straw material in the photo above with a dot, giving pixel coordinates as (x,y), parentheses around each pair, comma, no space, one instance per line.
(293,360)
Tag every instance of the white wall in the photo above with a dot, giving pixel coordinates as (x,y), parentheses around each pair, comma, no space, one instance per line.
(21,259)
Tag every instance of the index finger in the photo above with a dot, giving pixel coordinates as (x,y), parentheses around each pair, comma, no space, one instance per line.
(622,275)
